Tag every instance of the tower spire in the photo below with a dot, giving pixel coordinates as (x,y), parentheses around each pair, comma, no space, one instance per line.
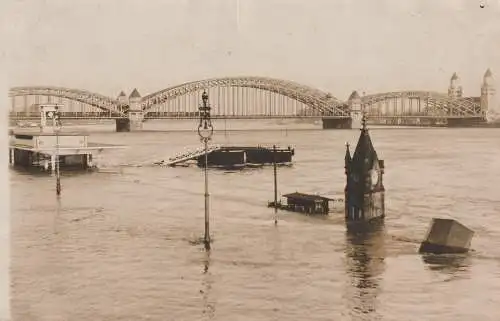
(347,158)
(363,122)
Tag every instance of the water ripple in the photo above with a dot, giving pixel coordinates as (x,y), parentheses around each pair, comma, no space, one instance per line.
(123,244)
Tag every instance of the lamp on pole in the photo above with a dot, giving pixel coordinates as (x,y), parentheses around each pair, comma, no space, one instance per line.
(205,131)
(56,120)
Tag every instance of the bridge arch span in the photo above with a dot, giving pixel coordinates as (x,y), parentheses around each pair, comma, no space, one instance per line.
(96,100)
(318,100)
(434,103)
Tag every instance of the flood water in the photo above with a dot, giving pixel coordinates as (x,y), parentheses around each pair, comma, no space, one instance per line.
(121,244)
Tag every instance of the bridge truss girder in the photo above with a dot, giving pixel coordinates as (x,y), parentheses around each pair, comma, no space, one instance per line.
(101,102)
(318,100)
(438,104)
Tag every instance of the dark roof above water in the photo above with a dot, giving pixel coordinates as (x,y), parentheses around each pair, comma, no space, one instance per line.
(307,197)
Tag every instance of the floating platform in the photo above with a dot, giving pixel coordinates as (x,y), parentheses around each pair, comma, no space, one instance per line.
(233,156)
(446,236)
(36,149)
(46,145)
(307,203)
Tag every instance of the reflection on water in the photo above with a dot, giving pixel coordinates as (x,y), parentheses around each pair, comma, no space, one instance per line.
(449,263)
(365,254)
(208,305)
(119,247)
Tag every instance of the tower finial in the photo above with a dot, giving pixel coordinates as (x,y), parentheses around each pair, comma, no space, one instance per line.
(363,121)
(363,115)
(347,158)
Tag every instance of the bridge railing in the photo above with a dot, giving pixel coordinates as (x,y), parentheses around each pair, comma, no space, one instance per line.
(159,114)
(103,114)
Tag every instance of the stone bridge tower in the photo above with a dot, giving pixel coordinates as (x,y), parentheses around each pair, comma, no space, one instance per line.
(133,107)
(455,88)
(364,190)
(354,102)
(135,113)
(489,102)
(122,98)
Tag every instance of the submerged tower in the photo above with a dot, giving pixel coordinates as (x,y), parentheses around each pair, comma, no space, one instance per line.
(364,190)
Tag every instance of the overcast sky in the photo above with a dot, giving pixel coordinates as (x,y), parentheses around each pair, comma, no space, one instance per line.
(335,45)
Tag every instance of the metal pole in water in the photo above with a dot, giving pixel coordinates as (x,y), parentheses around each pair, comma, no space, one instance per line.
(56,124)
(207,213)
(205,131)
(58,175)
(275,186)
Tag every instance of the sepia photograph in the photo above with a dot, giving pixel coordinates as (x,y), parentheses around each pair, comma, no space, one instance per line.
(243,160)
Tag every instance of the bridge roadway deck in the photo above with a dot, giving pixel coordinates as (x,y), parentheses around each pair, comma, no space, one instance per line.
(260,117)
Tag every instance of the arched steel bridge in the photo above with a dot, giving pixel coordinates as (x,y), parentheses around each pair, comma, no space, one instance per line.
(242,97)
(421,103)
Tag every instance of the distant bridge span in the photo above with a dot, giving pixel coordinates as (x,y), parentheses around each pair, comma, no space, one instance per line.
(250,97)
(436,104)
(101,102)
(314,98)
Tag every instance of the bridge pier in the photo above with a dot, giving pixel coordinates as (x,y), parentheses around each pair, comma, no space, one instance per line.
(135,114)
(132,123)
(337,123)
(465,122)
(122,125)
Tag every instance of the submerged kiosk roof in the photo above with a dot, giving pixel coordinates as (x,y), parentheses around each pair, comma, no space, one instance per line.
(307,197)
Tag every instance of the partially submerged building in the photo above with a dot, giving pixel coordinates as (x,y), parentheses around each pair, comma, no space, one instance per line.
(48,145)
(364,190)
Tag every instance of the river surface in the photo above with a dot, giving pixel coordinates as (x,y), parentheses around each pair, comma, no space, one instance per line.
(122,244)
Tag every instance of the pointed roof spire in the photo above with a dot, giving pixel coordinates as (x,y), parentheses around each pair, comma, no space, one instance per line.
(134,94)
(488,73)
(364,155)
(363,122)
(354,95)
(347,152)
(454,76)
(347,158)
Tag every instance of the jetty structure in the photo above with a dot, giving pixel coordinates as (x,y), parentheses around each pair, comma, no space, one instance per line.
(233,156)
(364,189)
(48,147)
